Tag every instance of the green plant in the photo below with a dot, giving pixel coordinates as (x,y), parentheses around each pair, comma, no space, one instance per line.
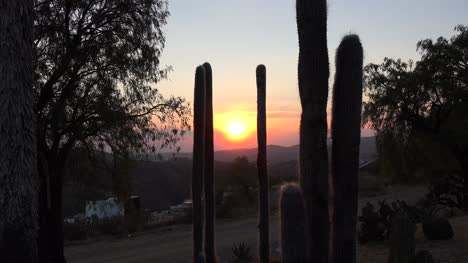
(198,169)
(402,242)
(313,74)
(241,253)
(292,224)
(436,228)
(210,205)
(263,207)
(449,190)
(346,135)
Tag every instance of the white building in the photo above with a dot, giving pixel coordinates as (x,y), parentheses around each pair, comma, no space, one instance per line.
(104,208)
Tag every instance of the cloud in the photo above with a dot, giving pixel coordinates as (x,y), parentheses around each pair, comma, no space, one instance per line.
(283,115)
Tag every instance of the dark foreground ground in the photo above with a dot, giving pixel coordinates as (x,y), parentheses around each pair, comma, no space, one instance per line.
(174,244)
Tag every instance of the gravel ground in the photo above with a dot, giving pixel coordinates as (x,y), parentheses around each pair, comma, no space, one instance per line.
(174,244)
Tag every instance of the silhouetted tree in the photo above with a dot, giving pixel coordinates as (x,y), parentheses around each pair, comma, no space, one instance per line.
(242,176)
(96,66)
(420,108)
(18,176)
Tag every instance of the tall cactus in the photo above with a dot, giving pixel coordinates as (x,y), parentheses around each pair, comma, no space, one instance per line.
(313,74)
(198,162)
(210,208)
(263,208)
(402,239)
(346,134)
(292,225)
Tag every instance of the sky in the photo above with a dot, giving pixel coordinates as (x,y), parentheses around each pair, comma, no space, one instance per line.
(237,35)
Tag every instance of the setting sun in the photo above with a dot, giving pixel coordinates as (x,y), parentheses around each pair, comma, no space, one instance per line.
(236,130)
(235,126)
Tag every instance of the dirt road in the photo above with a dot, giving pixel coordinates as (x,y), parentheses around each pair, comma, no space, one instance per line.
(174,244)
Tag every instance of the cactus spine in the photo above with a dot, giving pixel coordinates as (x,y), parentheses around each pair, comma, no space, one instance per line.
(313,74)
(402,239)
(292,225)
(210,212)
(346,134)
(263,208)
(198,162)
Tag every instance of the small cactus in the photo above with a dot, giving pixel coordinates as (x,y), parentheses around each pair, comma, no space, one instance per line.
(198,162)
(402,242)
(292,225)
(263,208)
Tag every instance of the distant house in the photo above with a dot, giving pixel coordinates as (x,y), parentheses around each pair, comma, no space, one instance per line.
(100,209)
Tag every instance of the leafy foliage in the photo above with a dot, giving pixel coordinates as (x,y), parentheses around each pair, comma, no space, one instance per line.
(96,66)
(416,107)
(242,177)
(448,191)
(241,253)
(376,222)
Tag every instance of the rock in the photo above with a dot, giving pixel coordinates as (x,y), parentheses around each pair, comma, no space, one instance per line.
(457,212)
(423,256)
(444,212)
(437,228)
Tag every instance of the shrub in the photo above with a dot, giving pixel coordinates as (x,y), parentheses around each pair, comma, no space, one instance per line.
(241,253)
(376,224)
(437,228)
(448,191)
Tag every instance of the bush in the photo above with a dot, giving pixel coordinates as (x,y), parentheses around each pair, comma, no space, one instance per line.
(448,191)
(241,253)
(437,229)
(376,224)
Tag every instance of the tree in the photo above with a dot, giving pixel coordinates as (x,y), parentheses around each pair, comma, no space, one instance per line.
(242,177)
(418,109)
(96,66)
(18,176)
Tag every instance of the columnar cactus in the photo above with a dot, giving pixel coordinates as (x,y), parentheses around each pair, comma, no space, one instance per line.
(402,239)
(198,161)
(263,208)
(292,225)
(313,74)
(346,134)
(210,247)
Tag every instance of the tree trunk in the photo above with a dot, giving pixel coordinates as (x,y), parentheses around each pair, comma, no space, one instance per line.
(51,243)
(263,207)
(55,219)
(18,174)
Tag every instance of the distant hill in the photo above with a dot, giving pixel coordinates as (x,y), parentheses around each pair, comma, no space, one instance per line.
(278,154)
(161,184)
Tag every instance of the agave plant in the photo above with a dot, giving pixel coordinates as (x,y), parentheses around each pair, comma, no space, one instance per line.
(241,253)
